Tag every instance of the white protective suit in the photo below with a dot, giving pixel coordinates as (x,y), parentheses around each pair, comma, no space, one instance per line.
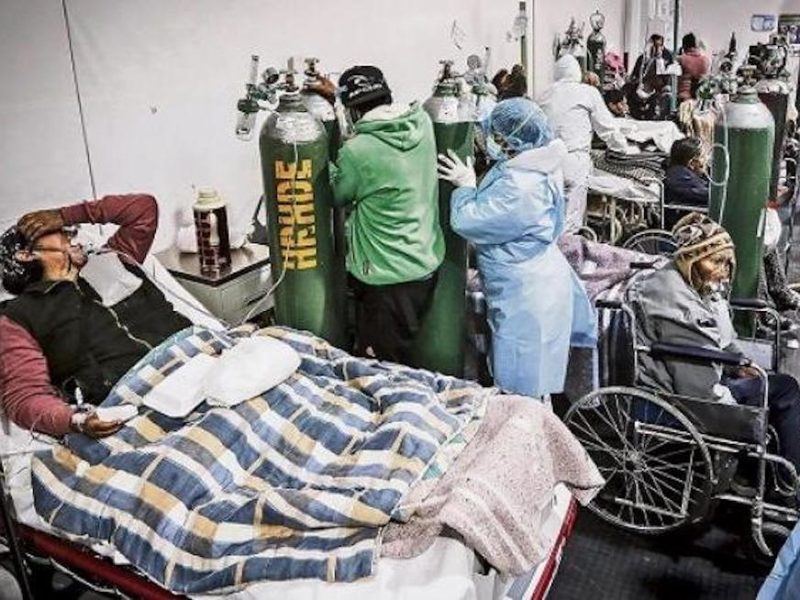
(574,110)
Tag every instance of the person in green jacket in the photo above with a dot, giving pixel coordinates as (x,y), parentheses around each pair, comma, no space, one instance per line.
(387,174)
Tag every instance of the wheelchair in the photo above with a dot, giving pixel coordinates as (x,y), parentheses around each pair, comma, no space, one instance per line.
(658,240)
(670,460)
(614,219)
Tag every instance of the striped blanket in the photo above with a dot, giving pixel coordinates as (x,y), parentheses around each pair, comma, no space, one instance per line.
(295,483)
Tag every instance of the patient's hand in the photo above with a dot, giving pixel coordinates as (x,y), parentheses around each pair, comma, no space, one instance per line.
(38,223)
(95,428)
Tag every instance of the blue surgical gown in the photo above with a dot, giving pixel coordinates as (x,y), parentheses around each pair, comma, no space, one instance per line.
(537,306)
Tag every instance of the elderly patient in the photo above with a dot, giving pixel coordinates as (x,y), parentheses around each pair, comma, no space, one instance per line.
(69,335)
(685,302)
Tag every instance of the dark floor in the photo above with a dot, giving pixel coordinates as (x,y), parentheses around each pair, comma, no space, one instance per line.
(601,562)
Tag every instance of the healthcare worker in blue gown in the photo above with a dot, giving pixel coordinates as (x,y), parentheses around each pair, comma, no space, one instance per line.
(537,307)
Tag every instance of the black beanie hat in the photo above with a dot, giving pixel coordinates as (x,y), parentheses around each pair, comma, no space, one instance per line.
(362,84)
(16,274)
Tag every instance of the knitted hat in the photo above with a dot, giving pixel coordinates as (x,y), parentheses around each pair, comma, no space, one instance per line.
(698,237)
(362,84)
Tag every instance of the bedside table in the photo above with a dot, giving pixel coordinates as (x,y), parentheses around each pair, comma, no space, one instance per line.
(232,293)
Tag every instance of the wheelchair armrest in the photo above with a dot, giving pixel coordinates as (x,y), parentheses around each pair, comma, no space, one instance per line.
(642,265)
(663,350)
(608,304)
(749,303)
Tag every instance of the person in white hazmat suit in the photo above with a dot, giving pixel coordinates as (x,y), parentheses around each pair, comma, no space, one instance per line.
(537,307)
(575,110)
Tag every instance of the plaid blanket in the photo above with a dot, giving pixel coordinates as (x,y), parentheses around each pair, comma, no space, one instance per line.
(643,168)
(295,483)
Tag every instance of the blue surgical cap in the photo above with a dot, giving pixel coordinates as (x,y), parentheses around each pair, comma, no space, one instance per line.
(521,123)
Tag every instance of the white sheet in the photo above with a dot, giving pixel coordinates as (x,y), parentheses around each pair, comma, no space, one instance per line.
(662,133)
(602,182)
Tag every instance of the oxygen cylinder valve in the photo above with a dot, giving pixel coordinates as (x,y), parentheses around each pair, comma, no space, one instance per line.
(248,106)
(311,72)
(272,83)
(476,76)
(447,70)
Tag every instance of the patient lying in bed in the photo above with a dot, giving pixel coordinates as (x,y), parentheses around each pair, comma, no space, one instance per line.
(77,323)
(303,480)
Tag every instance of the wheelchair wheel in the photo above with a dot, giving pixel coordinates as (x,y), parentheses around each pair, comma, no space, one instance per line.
(652,241)
(657,467)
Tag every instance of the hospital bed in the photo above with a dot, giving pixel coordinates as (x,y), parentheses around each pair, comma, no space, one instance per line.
(618,207)
(626,191)
(447,570)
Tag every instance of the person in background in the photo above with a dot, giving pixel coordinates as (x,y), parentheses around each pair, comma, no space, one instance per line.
(536,304)
(387,174)
(694,64)
(617,103)
(649,89)
(653,62)
(575,110)
(514,85)
(499,81)
(685,302)
(65,338)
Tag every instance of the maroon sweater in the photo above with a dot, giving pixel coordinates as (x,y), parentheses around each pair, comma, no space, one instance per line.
(27,396)
(695,65)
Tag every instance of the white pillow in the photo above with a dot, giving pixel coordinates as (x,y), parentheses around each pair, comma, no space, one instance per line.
(252,367)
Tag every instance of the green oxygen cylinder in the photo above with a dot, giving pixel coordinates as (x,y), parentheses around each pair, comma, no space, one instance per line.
(441,343)
(323,111)
(294,161)
(741,180)
(596,46)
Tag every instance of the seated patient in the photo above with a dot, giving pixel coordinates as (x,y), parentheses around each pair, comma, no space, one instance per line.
(687,184)
(685,302)
(61,338)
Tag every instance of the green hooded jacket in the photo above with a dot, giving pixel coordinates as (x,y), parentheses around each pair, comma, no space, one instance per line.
(388,171)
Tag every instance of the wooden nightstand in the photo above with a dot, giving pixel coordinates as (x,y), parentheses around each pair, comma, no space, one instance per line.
(231,294)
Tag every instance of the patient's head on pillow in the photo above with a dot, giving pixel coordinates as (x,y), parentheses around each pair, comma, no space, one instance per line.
(17,268)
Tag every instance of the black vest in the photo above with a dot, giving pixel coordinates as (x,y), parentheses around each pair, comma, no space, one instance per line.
(87,344)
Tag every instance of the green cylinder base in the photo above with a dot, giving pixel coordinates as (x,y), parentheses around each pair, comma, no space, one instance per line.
(441,343)
(299,222)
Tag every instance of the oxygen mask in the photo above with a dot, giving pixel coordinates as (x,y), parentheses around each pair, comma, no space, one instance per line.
(716,291)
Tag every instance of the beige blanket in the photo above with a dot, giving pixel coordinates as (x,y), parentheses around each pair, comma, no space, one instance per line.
(500,488)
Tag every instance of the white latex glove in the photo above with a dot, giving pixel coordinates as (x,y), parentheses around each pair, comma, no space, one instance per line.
(456,171)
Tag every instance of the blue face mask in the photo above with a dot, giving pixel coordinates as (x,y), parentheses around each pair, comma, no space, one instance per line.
(494,150)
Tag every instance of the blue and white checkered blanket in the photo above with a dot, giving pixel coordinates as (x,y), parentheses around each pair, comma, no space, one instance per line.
(295,483)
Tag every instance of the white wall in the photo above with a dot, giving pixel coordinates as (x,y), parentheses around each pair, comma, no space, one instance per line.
(713,21)
(42,160)
(551,18)
(160,79)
